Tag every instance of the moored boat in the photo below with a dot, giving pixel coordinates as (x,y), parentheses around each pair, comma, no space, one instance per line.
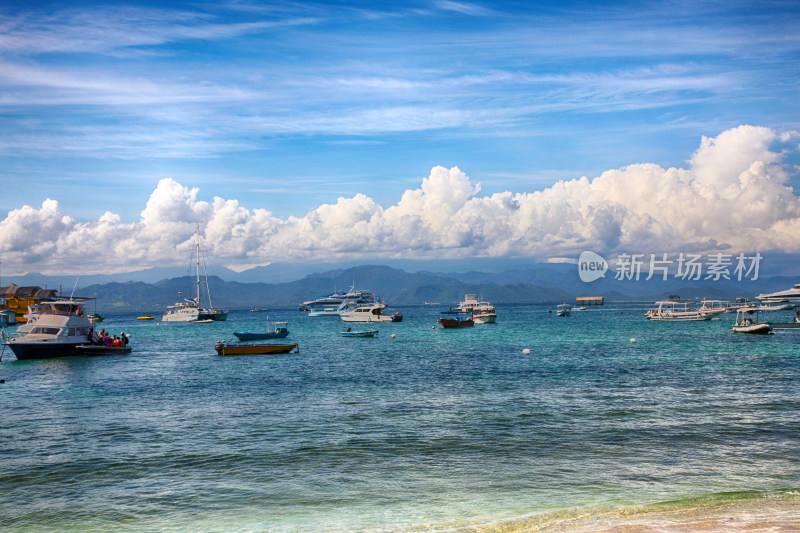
(678,311)
(794,324)
(747,321)
(456,319)
(274,330)
(60,327)
(368,333)
(145,317)
(190,310)
(99,349)
(790,295)
(370,313)
(224,348)
(482,312)
(338,302)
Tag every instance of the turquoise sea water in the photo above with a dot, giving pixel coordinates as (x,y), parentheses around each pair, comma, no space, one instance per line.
(434,430)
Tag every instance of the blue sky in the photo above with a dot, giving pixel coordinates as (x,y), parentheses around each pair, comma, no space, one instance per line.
(287,107)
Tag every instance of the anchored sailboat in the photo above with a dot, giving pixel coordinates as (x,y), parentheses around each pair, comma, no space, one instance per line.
(190,310)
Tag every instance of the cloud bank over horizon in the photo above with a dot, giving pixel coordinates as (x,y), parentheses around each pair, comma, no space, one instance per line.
(732,197)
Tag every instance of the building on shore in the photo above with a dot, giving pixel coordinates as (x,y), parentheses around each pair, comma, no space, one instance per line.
(16,299)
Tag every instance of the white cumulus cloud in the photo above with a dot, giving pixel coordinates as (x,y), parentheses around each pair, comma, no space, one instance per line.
(732,196)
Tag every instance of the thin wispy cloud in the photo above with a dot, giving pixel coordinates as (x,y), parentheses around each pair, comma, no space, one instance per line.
(336,90)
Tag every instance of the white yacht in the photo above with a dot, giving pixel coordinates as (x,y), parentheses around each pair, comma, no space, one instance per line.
(790,295)
(59,329)
(191,310)
(482,312)
(338,302)
(370,313)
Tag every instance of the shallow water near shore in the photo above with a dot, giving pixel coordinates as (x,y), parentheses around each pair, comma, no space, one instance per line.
(690,427)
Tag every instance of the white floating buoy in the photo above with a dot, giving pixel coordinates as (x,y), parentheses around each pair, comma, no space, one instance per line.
(394,336)
(526,351)
(633,340)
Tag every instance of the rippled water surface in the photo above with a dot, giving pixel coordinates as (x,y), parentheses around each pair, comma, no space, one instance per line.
(433,429)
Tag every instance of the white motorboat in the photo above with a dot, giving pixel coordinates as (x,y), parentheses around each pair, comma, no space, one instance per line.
(715,305)
(747,321)
(790,295)
(563,309)
(678,311)
(191,310)
(370,313)
(338,302)
(59,329)
(482,312)
(776,307)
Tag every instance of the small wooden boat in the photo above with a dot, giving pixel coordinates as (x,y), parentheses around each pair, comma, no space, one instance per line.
(145,317)
(369,333)
(223,348)
(275,330)
(456,319)
(747,322)
(100,349)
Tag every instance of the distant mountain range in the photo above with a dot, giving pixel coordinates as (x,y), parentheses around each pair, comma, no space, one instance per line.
(551,282)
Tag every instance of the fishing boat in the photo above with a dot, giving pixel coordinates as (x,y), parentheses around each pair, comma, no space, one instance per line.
(563,309)
(190,310)
(747,321)
(224,348)
(456,319)
(60,327)
(370,313)
(274,330)
(349,333)
(678,311)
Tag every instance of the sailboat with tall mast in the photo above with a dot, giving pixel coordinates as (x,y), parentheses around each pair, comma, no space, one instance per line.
(190,310)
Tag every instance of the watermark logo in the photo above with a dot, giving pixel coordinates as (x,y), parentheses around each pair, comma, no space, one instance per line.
(683,266)
(591,267)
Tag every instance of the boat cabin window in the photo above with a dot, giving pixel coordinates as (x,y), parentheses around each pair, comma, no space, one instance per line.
(46,331)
